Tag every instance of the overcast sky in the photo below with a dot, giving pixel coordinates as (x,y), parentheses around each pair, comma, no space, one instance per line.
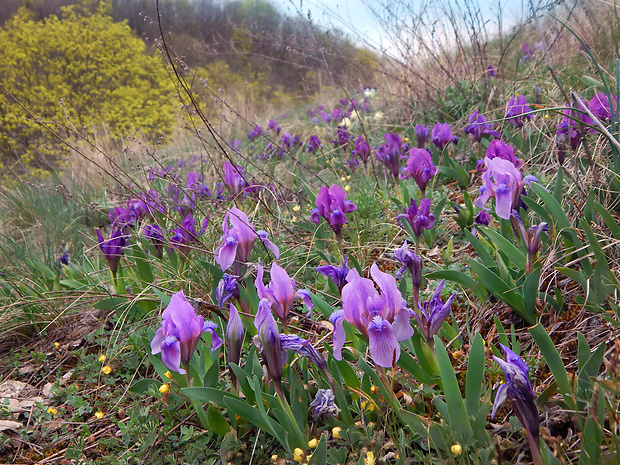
(357,16)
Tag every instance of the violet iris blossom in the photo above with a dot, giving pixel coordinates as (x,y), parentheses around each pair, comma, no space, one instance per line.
(113,248)
(257,131)
(234,338)
(389,154)
(433,313)
(500,149)
(226,288)
(155,234)
(519,390)
(412,262)
(504,182)
(280,291)
(599,105)
(419,218)
(185,234)
(324,405)
(180,331)
(479,126)
(531,238)
(420,167)
(234,178)
(332,206)
(442,135)
(268,342)
(362,149)
(238,239)
(313,144)
(422,134)
(337,274)
(517,110)
(381,316)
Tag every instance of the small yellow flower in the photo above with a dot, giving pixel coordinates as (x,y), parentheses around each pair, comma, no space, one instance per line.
(347,188)
(369,459)
(274,458)
(102,358)
(298,455)
(456,449)
(374,389)
(348,177)
(168,374)
(547,116)
(106,370)
(296,208)
(406,139)
(358,424)
(52,410)
(336,431)
(294,218)
(164,388)
(312,443)
(99,415)
(343,178)
(56,345)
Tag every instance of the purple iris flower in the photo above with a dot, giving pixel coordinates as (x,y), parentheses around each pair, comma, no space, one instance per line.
(337,274)
(332,206)
(599,105)
(362,149)
(570,126)
(342,137)
(238,239)
(531,238)
(234,178)
(226,288)
(280,291)
(491,71)
(483,218)
(420,167)
(63,259)
(442,135)
(500,149)
(422,134)
(519,390)
(517,110)
(146,204)
(412,262)
(381,316)
(121,218)
(155,234)
(180,331)
(234,338)
(304,348)
(433,313)
(526,52)
(186,233)
(268,342)
(390,153)
(504,182)
(256,132)
(479,126)
(194,183)
(419,218)
(324,405)
(113,248)
(273,126)
(314,144)
(352,161)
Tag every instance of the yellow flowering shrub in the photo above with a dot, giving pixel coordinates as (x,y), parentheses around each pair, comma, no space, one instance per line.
(78,71)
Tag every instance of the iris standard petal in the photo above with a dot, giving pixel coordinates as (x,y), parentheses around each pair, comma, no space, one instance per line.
(339,336)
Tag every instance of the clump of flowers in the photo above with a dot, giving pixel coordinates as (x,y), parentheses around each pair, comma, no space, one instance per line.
(479,126)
